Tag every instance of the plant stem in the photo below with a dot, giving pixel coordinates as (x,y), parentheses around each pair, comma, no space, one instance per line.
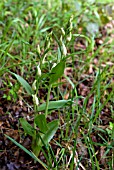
(47,102)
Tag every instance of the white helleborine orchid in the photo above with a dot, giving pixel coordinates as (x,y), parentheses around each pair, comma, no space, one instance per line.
(39,70)
(34,85)
(64,49)
(43,61)
(62,30)
(69,37)
(71,22)
(54,64)
(38,49)
(35,99)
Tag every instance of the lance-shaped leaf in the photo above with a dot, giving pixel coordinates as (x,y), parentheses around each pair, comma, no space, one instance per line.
(24,83)
(27,127)
(44,139)
(52,128)
(54,105)
(40,121)
(57,71)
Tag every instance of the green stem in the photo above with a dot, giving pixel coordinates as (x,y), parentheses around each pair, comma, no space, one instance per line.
(47,102)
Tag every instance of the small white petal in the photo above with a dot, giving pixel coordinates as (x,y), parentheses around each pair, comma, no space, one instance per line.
(54,64)
(62,30)
(64,49)
(34,85)
(43,61)
(38,49)
(69,37)
(39,70)
(35,99)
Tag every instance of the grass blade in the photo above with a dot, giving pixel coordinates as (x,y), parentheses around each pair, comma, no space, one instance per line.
(24,83)
(27,151)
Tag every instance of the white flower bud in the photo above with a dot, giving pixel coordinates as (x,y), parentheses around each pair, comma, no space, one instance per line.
(71,18)
(35,99)
(70,27)
(61,39)
(43,61)
(54,64)
(34,85)
(39,70)
(62,30)
(64,49)
(38,49)
(69,37)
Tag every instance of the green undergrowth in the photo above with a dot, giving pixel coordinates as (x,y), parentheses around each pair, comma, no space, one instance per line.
(52,45)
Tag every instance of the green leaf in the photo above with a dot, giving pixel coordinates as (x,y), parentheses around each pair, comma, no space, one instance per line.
(27,127)
(44,139)
(52,128)
(54,105)
(40,121)
(27,151)
(24,83)
(57,71)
